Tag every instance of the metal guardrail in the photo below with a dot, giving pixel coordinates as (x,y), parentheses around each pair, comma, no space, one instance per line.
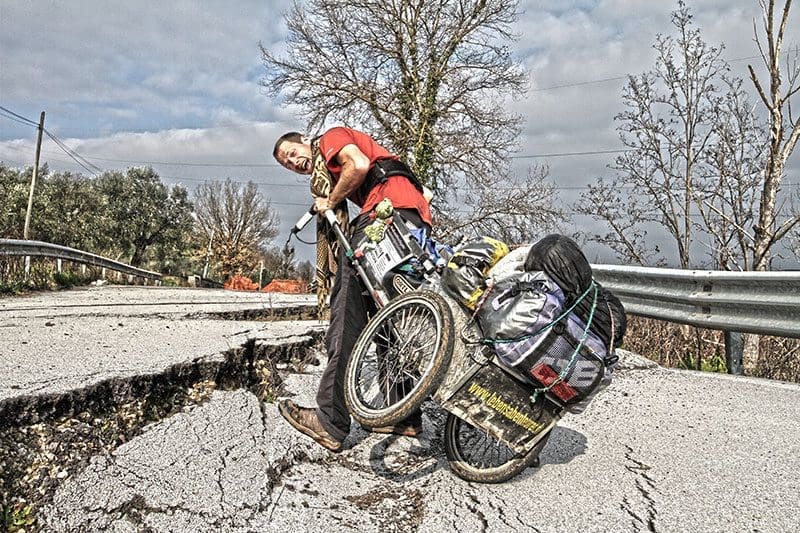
(44,249)
(766,303)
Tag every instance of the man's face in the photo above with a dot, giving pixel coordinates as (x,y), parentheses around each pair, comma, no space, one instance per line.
(295,156)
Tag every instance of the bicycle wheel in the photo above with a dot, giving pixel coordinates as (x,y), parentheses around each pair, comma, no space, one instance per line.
(474,455)
(399,358)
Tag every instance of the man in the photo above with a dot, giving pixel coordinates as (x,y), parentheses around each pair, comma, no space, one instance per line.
(347,164)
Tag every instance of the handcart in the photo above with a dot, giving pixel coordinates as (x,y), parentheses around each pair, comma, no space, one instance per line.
(421,343)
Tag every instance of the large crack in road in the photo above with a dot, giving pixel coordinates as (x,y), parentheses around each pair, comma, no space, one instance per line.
(46,438)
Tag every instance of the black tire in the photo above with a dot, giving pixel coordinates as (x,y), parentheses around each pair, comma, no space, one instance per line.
(474,455)
(399,359)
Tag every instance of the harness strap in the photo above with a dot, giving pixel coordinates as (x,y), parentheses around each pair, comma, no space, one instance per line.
(383,169)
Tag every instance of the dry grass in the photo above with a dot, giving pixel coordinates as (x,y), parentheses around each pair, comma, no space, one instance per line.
(680,346)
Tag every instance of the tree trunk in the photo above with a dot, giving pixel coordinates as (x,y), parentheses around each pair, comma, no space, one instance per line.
(751,353)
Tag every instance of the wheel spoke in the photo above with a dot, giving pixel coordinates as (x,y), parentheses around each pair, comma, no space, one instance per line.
(403,344)
(399,356)
(480,449)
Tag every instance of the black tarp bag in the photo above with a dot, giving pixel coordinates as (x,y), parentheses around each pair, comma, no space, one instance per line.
(562,259)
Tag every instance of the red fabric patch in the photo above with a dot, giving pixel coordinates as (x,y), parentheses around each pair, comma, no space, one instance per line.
(546,376)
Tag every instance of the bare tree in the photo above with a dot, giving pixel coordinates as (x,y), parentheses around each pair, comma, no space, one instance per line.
(511,209)
(431,79)
(732,174)
(237,221)
(684,151)
(280,262)
(784,130)
(794,244)
(428,77)
(626,216)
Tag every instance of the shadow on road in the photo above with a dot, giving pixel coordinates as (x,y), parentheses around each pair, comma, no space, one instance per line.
(402,459)
(564,445)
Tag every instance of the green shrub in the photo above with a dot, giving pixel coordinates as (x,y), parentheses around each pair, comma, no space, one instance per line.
(18,517)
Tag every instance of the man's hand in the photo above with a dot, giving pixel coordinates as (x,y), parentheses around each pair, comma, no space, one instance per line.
(322,204)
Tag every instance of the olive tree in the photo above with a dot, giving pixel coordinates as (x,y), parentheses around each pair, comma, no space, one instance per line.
(14,186)
(141,212)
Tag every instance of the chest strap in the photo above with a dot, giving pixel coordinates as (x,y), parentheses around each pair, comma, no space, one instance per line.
(382,170)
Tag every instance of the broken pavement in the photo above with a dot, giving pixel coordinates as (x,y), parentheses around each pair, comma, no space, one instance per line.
(144,409)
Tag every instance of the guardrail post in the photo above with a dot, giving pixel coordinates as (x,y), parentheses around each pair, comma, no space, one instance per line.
(734,348)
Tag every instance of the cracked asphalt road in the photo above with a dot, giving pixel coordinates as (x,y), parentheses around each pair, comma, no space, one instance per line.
(644,457)
(658,450)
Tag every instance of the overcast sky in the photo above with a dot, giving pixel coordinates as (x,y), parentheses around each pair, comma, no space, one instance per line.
(175,85)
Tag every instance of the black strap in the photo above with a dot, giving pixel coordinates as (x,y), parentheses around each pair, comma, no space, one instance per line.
(465,260)
(383,169)
(526,286)
(523,286)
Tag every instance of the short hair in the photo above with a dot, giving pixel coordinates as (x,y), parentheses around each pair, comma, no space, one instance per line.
(290,136)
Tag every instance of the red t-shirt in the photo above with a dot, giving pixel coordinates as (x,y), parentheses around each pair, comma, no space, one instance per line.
(398,189)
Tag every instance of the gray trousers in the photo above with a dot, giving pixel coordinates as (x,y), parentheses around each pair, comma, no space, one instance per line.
(350,311)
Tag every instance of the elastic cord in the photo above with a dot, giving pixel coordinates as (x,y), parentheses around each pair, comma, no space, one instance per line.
(573,359)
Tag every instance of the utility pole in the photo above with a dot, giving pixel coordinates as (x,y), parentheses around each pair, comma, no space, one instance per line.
(26,229)
(208,254)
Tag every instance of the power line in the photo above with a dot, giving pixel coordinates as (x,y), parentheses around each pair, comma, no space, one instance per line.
(616,78)
(257,180)
(20,117)
(578,84)
(84,159)
(48,159)
(242,179)
(17,120)
(568,154)
(91,168)
(267,165)
(186,163)
(88,166)
(275,165)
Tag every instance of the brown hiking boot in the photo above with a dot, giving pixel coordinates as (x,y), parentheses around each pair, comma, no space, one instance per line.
(305,420)
(401,428)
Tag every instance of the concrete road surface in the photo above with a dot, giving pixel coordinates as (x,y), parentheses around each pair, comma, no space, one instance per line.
(659,450)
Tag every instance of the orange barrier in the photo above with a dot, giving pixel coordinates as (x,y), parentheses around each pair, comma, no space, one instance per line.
(291,286)
(240,283)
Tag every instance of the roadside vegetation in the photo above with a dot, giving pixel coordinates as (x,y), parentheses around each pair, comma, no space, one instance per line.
(218,231)
(691,348)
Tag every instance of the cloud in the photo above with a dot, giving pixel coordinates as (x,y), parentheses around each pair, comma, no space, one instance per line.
(177,81)
(171,60)
(235,149)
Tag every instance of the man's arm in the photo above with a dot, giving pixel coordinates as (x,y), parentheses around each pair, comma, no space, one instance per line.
(355,166)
